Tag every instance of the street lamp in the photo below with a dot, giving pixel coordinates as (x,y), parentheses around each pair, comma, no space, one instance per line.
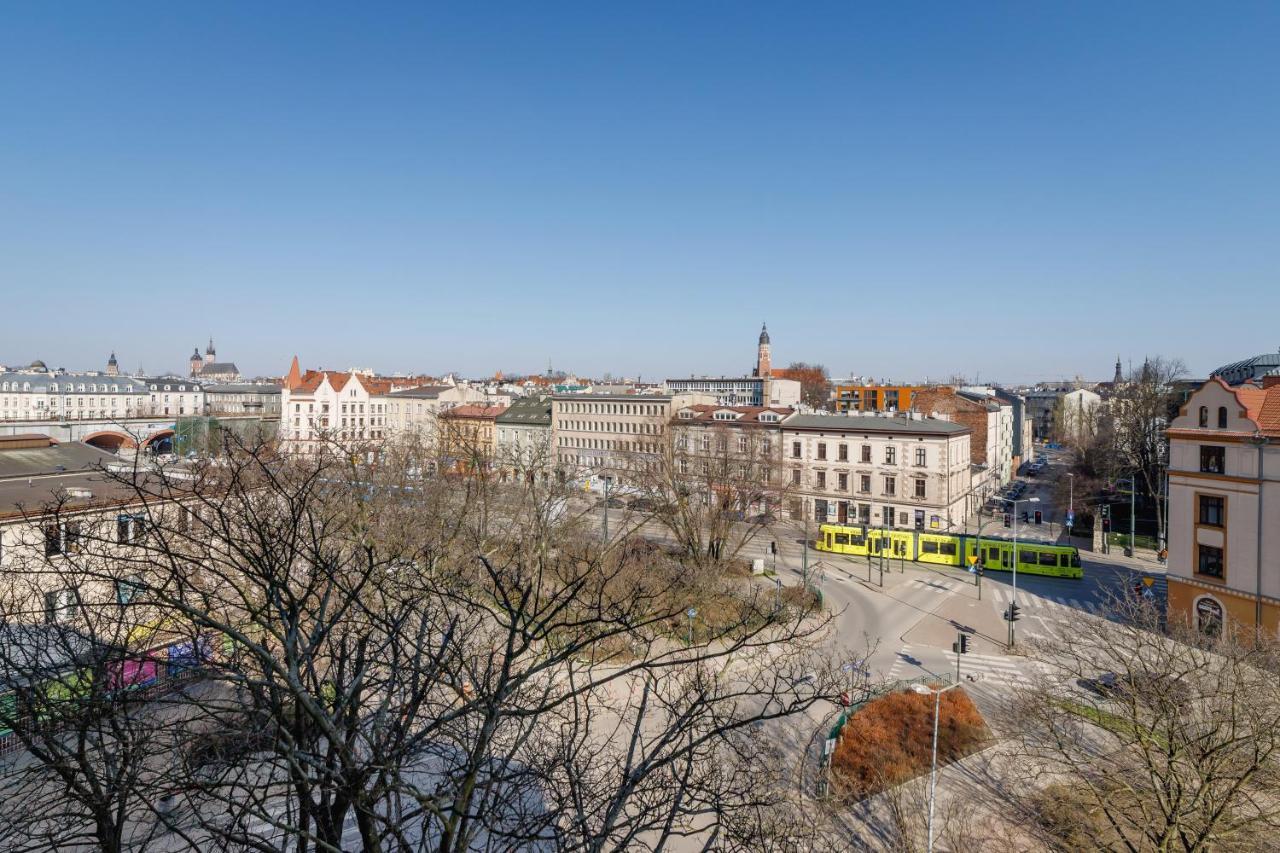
(1015,561)
(1071,503)
(926,690)
(607,481)
(692,613)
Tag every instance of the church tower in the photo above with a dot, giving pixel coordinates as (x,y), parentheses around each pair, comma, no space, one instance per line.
(113,367)
(209,354)
(196,362)
(763,367)
(1119,376)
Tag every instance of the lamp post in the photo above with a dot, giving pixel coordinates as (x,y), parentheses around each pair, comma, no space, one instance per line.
(1071,502)
(926,690)
(1015,561)
(607,481)
(692,613)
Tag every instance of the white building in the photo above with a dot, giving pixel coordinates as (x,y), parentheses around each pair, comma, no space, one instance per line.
(601,434)
(175,396)
(740,391)
(37,393)
(411,412)
(323,406)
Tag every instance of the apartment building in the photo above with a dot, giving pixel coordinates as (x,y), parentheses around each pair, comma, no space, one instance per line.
(735,451)
(243,399)
(874,398)
(175,396)
(990,422)
(523,437)
(412,412)
(1224,507)
(468,434)
(324,406)
(893,471)
(38,393)
(601,433)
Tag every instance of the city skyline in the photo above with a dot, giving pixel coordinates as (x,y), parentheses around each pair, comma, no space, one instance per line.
(1014,193)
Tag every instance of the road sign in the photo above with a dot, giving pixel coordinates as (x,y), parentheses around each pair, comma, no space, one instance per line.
(691,613)
(1071,519)
(973,570)
(1149,581)
(973,559)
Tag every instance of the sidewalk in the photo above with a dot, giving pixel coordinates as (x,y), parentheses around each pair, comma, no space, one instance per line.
(962,611)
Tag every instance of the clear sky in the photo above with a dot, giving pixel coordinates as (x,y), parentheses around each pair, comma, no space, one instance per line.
(1016,190)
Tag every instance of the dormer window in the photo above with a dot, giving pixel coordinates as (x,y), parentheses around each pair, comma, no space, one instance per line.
(769,417)
(725,416)
(685,414)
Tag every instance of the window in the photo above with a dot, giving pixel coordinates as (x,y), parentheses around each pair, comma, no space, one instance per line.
(60,605)
(822,479)
(929,547)
(864,484)
(920,488)
(866,453)
(822,450)
(742,444)
(127,590)
(842,538)
(844,453)
(1212,459)
(844,482)
(890,455)
(61,538)
(1212,510)
(765,446)
(890,486)
(795,476)
(1209,617)
(1048,559)
(1209,561)
(922,456)
(795,450)
(1204,417)
(129,528)
(1222,417)
(797,508)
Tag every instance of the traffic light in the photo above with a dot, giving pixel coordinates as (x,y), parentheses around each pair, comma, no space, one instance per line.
(1039,517)
(964,644)
(773,547)
(1008,520)
(1015,612)
(1106,524)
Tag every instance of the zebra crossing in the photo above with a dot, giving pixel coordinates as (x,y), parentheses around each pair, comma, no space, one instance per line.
(1002,596)
(975,670)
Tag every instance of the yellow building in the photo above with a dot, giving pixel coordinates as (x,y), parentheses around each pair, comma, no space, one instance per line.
(875,398)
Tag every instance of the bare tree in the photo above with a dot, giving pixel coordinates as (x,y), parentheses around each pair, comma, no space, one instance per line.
(1140,414)
(710,488)
(1138,739)
(381,672)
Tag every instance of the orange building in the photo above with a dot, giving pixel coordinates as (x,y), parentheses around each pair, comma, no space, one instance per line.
(875,398)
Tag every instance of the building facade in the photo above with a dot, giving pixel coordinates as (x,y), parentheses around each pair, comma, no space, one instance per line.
(37,393)
(523,439)
(210,369)
(412,412)
(601,434)
(325,407)
(175,396)
(740,391)
(900,471)
(991,433)
(467,436)
(1224,508)
(243,399)
(875,398)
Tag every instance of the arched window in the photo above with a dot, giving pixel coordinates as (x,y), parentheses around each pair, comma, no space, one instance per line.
(1209,617)
(1222,417)
(1204,417)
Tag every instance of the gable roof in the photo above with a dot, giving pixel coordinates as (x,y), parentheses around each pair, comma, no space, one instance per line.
(475,411)
(529,411)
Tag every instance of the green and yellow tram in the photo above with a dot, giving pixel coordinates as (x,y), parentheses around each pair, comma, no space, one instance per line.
(950,549)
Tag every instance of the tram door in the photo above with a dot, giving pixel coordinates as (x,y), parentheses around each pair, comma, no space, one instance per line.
(1006,559)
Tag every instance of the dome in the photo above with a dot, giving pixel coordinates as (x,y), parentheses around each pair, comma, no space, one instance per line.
(38,365)
(112,360)
(764,333)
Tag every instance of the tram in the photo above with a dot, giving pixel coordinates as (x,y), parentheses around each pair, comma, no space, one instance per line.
(950,549)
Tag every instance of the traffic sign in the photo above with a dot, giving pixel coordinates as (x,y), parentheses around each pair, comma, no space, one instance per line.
(1071,519)
(973,559)
(1149,581)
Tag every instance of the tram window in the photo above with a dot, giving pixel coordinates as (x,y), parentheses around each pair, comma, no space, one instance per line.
(948,548)
(1075,561)
(993,553)
(1047,559)
(1029,558)
(1065,561)
(842,538)
(857,539)
(929,547)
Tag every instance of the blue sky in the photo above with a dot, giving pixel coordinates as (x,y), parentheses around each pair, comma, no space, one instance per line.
(904,190)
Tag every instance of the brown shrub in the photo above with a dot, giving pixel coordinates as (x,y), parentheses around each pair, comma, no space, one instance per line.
(890,739)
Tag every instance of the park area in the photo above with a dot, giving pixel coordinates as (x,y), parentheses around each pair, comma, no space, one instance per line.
(889,740)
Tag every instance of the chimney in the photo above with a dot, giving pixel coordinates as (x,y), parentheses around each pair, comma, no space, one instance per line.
(1271,379)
